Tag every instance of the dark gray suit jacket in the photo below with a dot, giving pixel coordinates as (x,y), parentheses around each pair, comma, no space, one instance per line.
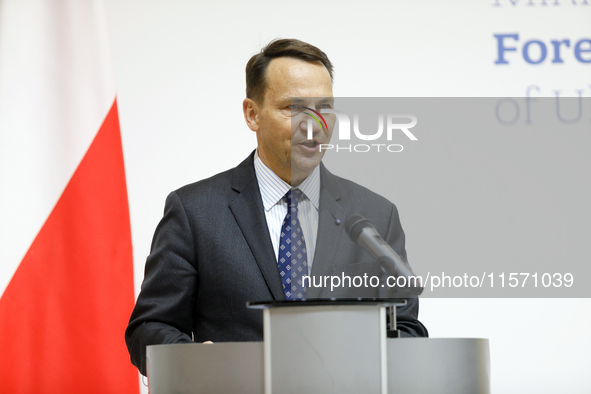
(212,252)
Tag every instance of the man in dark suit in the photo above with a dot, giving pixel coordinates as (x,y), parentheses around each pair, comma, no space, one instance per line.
(222,240)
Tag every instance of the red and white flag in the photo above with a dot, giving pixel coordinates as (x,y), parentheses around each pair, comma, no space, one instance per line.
(66,270)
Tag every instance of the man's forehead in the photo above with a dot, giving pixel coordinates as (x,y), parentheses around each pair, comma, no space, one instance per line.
(292,64)
(284,69)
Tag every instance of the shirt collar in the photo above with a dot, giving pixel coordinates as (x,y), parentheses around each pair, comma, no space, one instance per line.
(274,188)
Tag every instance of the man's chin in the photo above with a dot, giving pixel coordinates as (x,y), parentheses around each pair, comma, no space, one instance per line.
(302,167)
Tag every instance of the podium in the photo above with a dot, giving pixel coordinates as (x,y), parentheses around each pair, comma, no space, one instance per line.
(323,346)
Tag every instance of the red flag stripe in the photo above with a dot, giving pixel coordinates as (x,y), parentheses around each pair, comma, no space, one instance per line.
(63,314)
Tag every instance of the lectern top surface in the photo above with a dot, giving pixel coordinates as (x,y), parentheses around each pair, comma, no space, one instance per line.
(326,302)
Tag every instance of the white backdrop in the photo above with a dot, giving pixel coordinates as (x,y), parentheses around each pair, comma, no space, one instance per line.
(179,69)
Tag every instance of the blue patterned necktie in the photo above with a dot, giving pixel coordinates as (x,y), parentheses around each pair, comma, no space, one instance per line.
(292,259)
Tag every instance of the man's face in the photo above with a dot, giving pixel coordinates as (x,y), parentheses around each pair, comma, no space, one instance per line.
(281,126)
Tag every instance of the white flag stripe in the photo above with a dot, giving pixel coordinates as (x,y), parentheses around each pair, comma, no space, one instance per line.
(56,87)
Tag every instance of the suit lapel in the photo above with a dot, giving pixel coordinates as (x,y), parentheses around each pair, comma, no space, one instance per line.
(248,211)
(330,230)
(247,208)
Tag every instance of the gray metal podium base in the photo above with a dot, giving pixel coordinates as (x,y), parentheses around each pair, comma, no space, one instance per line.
(415,366)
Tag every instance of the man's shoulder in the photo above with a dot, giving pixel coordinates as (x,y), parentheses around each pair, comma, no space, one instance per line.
(212,184)
(353,191)
(356,199)
(219,185)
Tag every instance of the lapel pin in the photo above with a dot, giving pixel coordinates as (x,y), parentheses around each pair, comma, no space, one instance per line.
(338,221)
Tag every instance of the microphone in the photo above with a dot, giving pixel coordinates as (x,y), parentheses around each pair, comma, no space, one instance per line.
(362,232)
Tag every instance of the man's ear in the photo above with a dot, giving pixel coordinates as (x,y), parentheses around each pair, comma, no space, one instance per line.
(251,114)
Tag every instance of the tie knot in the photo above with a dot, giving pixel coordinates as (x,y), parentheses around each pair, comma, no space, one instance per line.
(293,197)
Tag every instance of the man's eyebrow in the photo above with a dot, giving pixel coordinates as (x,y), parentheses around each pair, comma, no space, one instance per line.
(325,100)
(299,100)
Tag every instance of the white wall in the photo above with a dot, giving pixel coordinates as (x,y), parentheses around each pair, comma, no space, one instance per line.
(179,68)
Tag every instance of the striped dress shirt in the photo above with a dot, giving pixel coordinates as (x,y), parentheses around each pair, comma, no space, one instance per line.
(273,190)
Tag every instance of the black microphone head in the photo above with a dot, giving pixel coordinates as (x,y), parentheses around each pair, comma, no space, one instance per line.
(354,224)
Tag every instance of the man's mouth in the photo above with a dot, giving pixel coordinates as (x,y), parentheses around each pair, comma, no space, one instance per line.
(310,143)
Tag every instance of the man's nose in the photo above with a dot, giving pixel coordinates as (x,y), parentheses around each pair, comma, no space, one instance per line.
(310,126)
